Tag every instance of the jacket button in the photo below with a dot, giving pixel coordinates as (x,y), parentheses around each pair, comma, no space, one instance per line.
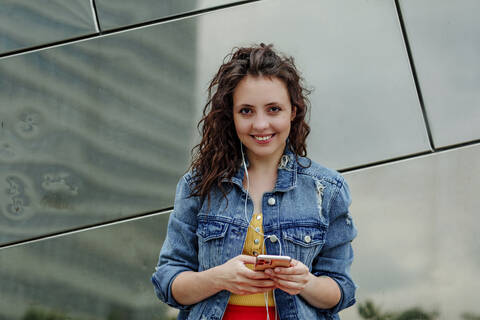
(257,229)
(256,241)
(271,201)
(273,238)
(307,239)
(259,216)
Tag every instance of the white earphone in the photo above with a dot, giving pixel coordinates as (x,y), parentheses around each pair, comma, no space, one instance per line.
(250,226)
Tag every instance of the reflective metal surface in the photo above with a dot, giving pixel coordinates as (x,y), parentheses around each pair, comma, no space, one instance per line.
(444,37)
(418,243)
(96,130)
(102,129)
(114,14)
(364,103)
(26,23)
(103,273)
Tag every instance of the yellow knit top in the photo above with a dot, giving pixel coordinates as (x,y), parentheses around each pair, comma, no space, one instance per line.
(253,246)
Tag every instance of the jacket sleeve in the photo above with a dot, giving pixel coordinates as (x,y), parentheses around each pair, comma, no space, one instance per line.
(179,252)
(336,255)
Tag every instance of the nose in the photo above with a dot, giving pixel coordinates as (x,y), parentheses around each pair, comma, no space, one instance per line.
(260,122)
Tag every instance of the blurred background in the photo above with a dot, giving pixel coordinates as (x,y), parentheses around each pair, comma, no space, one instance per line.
(99,101)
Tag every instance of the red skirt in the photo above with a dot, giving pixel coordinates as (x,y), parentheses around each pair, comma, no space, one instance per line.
(234,312)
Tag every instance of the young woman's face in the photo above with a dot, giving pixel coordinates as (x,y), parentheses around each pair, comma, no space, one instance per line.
(262,114)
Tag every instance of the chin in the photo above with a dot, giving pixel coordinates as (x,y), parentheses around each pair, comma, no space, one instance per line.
(264,151)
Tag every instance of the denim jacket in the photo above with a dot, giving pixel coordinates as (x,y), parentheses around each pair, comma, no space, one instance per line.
(308,214)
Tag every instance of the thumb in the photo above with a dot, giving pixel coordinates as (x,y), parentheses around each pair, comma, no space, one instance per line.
(247,259)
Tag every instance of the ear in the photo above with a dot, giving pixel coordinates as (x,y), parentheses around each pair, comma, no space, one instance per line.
(294,112)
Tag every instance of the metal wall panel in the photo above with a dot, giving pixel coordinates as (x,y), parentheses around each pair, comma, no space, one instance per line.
(96,130)
(102,129)
(417,246)
(115,14)
(364,105)
(418,243)
(26,23)
(102,273)
(444,37)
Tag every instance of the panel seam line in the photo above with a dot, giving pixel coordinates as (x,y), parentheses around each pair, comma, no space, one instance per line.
(414,74)
(113,31)
(94,226)
(95,16)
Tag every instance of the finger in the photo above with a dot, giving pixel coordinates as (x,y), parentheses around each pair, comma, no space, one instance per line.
(287,290)
(260,283)
(291,278)
(246,259)
(256,275)
(299,268)
(253,290)
(252,274)
(256,286)
(256,282)
(289,286)
(290,270)
(298,264)
(264,284)
(274,275)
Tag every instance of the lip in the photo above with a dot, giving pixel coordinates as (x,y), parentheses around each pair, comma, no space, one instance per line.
(263,135)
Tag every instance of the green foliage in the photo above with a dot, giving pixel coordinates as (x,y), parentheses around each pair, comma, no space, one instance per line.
(470,316)
(417,314)
(117,313)
(37,314)
(368,310)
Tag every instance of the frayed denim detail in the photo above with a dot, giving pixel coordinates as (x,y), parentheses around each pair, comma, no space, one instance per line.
(319,187)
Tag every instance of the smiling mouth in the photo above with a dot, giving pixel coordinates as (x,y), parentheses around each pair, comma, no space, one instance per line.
(263,138)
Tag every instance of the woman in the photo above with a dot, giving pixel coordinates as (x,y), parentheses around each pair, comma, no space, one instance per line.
(251,190)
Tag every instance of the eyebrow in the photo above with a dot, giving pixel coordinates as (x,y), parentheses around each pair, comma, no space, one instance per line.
(273,103)
(268,104)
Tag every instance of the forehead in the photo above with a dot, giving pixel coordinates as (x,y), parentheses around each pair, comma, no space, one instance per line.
(259,90)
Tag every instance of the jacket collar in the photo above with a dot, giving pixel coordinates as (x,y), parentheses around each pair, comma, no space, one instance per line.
(286,176)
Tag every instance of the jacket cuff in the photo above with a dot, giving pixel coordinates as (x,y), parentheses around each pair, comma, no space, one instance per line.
(347,292)
(162,285)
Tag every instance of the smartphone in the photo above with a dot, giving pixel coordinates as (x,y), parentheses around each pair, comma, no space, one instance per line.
(266,261)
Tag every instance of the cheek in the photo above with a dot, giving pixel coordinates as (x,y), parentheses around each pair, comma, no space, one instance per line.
(241,127)
(283,126)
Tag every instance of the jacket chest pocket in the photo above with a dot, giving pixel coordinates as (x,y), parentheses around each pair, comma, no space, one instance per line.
(303,243)
(211,238)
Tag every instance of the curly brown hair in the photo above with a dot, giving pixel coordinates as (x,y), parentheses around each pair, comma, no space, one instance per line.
(218,155)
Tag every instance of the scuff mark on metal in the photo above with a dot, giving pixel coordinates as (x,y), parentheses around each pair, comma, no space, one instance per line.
(16,210)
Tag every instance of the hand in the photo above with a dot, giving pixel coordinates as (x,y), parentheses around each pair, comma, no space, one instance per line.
(291,279)
(235,277)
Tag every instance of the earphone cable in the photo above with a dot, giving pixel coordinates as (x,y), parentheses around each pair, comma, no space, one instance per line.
(265,295)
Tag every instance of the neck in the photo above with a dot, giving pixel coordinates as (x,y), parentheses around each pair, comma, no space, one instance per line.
(265,164)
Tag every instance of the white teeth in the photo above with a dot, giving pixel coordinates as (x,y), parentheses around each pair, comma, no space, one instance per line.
(263,138)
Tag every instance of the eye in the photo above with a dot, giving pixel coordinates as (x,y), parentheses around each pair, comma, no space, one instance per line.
(245,111)
(275,108)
